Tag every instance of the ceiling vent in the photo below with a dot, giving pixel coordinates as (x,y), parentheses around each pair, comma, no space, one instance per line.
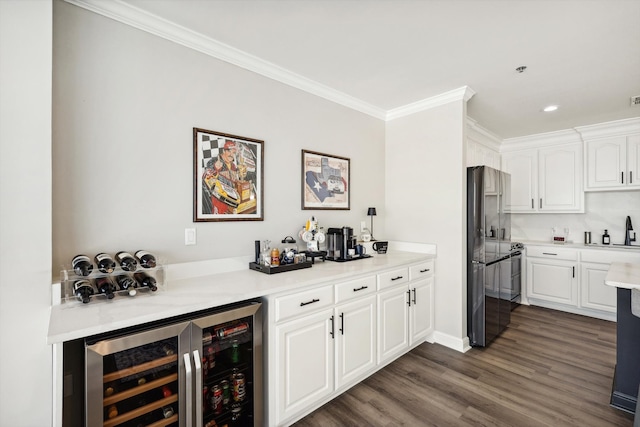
(635,100)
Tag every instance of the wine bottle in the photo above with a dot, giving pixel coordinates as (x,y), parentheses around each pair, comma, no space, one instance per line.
(146,259)
(126,261)
(105,286)
(105,263)
(144,280)
(81,264)
(83,290)
(126,283)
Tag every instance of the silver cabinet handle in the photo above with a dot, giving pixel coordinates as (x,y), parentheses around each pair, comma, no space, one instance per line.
(189,397)
(414,296)
(548,253)
(198,365)
(531,203)
(540,202)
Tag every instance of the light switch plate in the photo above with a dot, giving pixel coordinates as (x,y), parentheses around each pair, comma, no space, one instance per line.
(189,236)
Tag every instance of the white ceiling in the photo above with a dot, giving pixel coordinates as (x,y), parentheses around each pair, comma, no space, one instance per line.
(583,55)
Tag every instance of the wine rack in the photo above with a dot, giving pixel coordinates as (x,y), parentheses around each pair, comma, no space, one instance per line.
(68,277)
(143,392)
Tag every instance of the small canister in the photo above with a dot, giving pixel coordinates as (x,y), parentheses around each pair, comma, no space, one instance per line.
(587,237)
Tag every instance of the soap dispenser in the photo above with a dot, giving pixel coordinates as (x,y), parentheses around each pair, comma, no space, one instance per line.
(606,239)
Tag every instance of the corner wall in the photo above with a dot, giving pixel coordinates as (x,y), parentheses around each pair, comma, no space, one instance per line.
(425,202)
(25,213)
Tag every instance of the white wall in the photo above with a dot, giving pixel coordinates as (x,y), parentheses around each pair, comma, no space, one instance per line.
(425,202)
(25,212)
(125,103)
(603,210)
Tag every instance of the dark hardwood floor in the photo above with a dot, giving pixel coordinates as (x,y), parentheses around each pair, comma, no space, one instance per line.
(549,368)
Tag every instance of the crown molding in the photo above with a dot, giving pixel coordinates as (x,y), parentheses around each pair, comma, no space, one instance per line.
(153,24)
(482,135)
(463,93)
(610,129)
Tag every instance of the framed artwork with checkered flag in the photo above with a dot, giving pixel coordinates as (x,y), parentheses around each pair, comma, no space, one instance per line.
(228,173)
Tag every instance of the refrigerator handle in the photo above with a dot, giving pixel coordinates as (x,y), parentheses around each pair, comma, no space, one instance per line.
(197,362)
(189,387)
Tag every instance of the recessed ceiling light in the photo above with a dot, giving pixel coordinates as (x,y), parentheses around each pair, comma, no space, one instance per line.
(550,108)
(521,68)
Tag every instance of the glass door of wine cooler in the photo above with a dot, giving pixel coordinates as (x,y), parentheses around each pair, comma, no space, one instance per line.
(138,379)
(201,371)
(228,376)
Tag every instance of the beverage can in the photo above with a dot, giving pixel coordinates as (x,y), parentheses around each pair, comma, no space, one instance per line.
(216,399)
(205,396)
(239,391)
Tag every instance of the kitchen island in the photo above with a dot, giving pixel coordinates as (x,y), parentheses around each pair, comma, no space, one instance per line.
(626,277)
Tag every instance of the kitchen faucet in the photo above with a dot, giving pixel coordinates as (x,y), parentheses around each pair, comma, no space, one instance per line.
(629,235)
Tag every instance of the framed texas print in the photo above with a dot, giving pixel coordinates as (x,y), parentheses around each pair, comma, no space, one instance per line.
(325,181)
(228,173)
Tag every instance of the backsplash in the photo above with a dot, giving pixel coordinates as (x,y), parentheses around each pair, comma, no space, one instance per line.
(603,210)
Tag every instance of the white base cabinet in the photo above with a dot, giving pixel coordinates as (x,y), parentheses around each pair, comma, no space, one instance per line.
(305,364)
(572,278)
(324,340)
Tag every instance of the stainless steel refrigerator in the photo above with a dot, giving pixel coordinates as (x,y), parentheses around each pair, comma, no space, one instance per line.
(488,254)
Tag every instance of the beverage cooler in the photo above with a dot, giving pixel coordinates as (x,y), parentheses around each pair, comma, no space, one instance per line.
(204,371)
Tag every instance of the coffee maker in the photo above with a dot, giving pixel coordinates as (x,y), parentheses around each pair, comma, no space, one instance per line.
(339,243)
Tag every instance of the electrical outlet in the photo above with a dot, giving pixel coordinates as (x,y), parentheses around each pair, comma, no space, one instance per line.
(189,236)
(363,225)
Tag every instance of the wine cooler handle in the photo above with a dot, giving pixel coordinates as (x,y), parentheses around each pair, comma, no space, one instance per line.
(198,374)
(188,388)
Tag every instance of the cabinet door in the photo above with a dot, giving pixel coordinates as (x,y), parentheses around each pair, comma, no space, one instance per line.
(551,280)
(606,163)
(633,162)
(393,322)
(355,339)
(305,366)
(421,315)
(560,179)
(593,291)
(522,166)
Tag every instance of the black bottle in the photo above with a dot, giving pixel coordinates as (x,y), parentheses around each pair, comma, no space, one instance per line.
(81,264)
(105,286)
(126,283)
(126,261)
(144,280)
(105,263)
(146,259)
(83,290)
(606,239)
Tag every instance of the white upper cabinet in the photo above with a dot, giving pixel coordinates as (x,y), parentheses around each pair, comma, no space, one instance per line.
(612,163)
(483,148)
(547,179)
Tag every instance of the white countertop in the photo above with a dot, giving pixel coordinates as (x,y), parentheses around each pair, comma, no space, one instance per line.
(633,248)
(623,275)
(72,320)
